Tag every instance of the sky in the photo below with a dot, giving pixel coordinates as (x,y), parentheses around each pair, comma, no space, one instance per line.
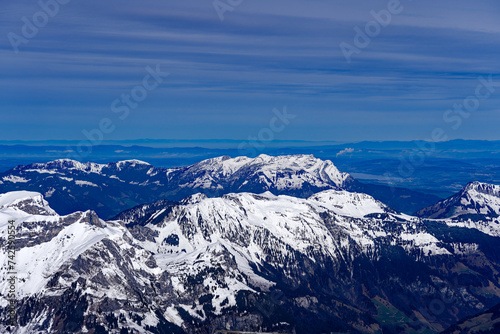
(235,65)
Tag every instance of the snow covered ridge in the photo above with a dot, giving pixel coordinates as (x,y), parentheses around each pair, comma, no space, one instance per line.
(476,198)
(202,261)
(92,186)
(53,252)
(139,182)
(281,172)
(483,188)
(349,204)
(68,164)
(21,203)
(292,223)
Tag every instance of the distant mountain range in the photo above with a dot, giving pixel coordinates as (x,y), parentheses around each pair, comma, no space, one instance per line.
(108,189)
(436,168)
(273,244)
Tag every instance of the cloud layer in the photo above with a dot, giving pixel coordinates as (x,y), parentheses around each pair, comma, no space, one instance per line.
(227,76)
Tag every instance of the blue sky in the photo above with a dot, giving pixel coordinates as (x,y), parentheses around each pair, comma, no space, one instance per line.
(227,76)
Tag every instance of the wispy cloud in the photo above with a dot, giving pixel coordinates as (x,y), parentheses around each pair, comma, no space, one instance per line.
(262,55)
(345,151)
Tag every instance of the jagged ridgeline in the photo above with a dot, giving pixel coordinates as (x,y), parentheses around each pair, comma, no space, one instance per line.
(335,261)
(476,200)
(112,188)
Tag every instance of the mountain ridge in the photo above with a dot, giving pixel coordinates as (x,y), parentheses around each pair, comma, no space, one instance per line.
(475,199)
(242,261)
(111,188)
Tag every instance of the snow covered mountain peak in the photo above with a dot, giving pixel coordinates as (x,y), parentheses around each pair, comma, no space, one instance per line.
(199,221)
(324,171)
(25,203)
(475,198)
(133,162)
(70,185)
(483,188)
(129,164)
(194,199)
(279,172)
(349,204)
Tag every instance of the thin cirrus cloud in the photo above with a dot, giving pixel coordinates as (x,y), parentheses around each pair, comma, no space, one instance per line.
(234,72)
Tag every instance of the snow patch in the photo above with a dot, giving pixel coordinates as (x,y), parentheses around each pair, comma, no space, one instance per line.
(15,179)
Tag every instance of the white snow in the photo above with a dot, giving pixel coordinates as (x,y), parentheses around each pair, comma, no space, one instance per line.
(85,183)
(426,242)
(14,179)
(41,171)
(489,226)
(281,172)
(132,163)
(69,164)
(116,178)
(348,203)
(49,192)
(14,197)
(36,265)
(9,203)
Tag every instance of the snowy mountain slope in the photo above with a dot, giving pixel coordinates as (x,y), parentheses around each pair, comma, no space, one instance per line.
(24,203)
(487,225)
(475,198)
(290,225)
(280,173)
(145,213)
(350,204)
(275,242)
(243,262)
(112,188)
(65,264)
(70,186)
